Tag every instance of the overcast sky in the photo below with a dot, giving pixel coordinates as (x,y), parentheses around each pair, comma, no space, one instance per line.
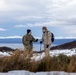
(16,16)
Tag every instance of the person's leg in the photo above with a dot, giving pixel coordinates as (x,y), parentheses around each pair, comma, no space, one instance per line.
(26,50)
(47,50)
(47,58)
(44,47)
(30,52)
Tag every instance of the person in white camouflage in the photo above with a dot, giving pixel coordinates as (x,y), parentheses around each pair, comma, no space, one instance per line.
(46,40)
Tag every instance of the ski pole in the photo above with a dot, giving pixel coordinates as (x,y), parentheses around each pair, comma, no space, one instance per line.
(40,50)
(40,47)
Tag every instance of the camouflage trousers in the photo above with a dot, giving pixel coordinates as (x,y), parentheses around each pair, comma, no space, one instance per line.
(28,51)
(47,50)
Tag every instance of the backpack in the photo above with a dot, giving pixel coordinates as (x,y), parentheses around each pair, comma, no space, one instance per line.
(52,39)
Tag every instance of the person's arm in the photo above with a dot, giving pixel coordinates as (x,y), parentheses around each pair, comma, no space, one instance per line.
(49,37)
(33,39)
(42,38)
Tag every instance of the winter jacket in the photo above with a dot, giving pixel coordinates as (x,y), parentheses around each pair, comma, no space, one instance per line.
(28,39)
(46,38)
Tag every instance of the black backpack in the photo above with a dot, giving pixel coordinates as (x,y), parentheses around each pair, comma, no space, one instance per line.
(52,39)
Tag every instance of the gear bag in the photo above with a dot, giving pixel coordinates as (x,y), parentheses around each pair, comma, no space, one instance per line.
(52,39)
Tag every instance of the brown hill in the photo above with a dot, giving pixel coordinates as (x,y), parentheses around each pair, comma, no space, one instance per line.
(68,45)
(6,49)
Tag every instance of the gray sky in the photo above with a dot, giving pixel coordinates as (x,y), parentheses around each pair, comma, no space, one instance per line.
(16,16)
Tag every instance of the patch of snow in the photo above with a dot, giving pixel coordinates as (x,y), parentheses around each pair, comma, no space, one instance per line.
(19,72)
(4,54)
(38,57)
(68,52)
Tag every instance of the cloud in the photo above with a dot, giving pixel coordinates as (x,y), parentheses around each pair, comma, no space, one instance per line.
(27,25)
(24,18)
(55,11)
(58,13)
(65,37)
(10,37)
(15,37)
(2,29)
(8,6)
(20,37)
(37,13)
(48,24)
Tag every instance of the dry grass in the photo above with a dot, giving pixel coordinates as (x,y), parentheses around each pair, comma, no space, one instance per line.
(18,62)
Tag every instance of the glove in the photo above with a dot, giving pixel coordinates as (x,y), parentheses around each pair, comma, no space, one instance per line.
(40,42)
(36,40)
(47,46)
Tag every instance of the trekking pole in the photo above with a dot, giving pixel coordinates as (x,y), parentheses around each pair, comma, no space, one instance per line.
(40,49)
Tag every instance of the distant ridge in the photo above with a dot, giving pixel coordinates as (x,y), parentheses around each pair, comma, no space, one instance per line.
(68,45)
(6,49)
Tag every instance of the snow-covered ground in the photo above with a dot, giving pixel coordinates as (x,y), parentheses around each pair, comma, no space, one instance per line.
(39,56)
(68,52)
(38,73)
(2,54)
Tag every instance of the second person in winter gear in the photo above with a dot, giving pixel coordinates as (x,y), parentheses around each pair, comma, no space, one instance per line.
(46,40)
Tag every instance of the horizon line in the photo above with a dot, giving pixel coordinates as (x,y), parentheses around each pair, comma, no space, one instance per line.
(20,37)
